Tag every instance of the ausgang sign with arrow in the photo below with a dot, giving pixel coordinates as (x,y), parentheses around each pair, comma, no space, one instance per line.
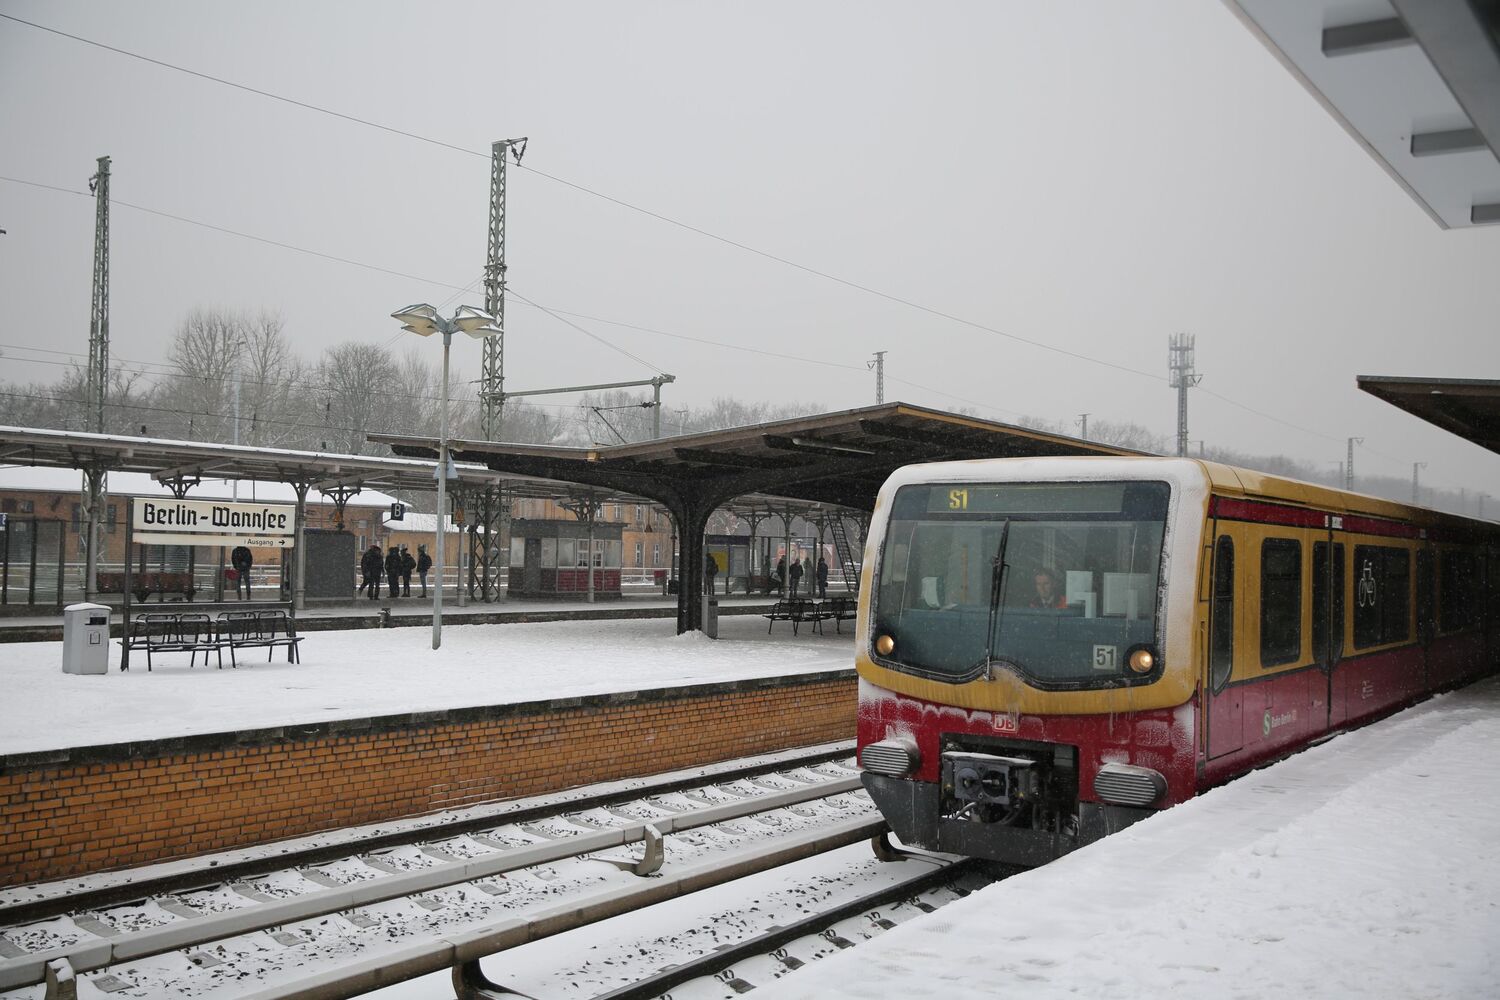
(213,522)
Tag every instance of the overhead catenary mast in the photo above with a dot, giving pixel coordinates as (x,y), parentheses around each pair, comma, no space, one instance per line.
(98,376)
(490,507)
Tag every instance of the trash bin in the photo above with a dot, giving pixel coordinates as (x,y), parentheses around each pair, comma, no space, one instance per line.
(85,639)
(711,617)
(672,586)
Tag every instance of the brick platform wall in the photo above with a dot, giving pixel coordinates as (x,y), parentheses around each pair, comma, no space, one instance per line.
(90,809)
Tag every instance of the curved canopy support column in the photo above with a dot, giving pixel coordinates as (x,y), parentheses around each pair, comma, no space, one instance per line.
(691,515)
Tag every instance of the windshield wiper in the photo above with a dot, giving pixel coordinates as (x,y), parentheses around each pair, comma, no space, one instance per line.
(997,592)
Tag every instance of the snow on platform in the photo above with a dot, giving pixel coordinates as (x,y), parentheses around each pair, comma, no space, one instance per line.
(1363,868)
(374,672)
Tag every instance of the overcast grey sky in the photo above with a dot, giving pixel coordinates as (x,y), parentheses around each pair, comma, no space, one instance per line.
(1086,175)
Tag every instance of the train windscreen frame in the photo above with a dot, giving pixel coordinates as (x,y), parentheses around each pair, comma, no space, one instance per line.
(1060,582)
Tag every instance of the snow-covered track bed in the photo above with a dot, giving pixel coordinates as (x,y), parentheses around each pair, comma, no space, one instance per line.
(760,948)
(353,922)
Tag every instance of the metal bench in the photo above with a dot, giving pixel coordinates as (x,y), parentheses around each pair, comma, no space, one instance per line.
(160,632)
(795,610)
(269,629)
(839,609)
(143,585)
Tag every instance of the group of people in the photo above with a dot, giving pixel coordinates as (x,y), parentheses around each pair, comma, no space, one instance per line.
(799,571)
(397,566)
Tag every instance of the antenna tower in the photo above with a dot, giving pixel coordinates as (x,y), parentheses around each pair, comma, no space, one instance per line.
(1182,378)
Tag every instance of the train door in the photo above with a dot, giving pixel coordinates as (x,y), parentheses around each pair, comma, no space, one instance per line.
(1328,623)
(1224,709)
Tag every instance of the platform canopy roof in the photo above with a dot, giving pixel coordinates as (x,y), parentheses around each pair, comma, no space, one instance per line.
(837,458)
(830,458)
(1468,407)
(1415,82)
(185,462)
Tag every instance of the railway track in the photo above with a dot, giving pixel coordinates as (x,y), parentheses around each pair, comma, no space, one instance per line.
(765,949)
(325,923)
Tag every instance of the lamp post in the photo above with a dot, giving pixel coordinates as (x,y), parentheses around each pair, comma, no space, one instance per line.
(424,321)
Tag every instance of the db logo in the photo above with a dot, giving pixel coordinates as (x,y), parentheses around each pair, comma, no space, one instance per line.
(1004,723)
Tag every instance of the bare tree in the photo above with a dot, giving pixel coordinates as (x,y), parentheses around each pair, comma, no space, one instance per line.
(357,381)
(273,389)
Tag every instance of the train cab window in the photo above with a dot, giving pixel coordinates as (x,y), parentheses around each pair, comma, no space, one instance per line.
(1280,601)
(1221,651)
(1458,591)
(1382,595)
(1059,582)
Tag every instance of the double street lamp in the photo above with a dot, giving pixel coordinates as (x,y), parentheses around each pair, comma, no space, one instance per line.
(424,321)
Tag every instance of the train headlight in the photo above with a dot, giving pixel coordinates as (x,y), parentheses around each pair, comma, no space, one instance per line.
(1141,660)
(1129,785)
(893,758)
(885,645)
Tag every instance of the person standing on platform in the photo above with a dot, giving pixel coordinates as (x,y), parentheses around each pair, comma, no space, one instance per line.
(424,563)
(807,574)
(796,577)
(407,565)
(393,569)
(241,559)
(822,577)
(369,566)
(710,570)
(780,576)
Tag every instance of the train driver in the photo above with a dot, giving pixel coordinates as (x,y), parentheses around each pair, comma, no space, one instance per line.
(1048,593)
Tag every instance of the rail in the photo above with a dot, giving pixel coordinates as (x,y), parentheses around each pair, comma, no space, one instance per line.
(192,931)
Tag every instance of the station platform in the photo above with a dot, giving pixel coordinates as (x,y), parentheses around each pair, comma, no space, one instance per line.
(1361,868)
(361,613)
(113,770)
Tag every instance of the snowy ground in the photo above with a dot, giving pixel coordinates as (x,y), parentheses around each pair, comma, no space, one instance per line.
(357,674)
(1363,868)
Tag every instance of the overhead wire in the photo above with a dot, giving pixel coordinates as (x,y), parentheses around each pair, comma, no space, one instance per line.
(353,119)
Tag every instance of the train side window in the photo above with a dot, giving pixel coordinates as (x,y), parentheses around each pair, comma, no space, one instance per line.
(1458,604)
(1221,651)
(1280,601)
(1327,602)
(1397,606)
(1338,599)
(1382,595)
(1426,596)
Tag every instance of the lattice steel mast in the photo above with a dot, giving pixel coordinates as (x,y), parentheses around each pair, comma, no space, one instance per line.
(490,506)
(98,374)
(1182,379)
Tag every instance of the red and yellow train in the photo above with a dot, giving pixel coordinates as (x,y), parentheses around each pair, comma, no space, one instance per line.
(1050,649)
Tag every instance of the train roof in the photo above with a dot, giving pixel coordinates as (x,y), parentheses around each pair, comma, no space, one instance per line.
(1222,479)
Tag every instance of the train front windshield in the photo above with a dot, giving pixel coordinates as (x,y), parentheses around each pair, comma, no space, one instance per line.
(1058,581)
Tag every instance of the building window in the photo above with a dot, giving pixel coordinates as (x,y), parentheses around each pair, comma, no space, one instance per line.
(27,507)
(656,554)
(637,513)
(640,553)
(112,517)
(1382,595)
(8,505)
(77,516)
(1280,601)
